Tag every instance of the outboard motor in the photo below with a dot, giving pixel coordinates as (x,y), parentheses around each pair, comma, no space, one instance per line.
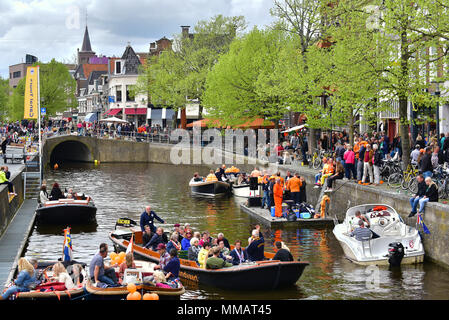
(395,253)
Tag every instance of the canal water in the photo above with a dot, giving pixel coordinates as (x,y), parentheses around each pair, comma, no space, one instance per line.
(123,190)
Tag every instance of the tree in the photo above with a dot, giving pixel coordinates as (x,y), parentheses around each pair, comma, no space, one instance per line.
(241,85)
(180,74)
(4,97)
(411,40)
(57,90)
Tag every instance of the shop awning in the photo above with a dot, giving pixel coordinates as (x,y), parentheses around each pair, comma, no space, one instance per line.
(136,111)
(91,117)
(113,112)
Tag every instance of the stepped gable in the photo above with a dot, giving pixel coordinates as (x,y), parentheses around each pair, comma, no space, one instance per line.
(132,61)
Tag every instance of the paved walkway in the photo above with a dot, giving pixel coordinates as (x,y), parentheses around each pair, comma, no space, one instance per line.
(13,241)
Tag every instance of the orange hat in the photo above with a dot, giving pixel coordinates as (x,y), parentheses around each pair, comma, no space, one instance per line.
(421,151)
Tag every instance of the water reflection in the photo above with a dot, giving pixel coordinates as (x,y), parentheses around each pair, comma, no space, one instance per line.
(123,190)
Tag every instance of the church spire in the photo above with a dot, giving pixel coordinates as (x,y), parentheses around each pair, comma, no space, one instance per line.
(86,42)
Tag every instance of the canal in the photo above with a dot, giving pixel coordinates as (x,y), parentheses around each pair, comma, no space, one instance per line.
(123,190)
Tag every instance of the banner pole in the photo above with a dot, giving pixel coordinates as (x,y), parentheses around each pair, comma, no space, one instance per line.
(39,125)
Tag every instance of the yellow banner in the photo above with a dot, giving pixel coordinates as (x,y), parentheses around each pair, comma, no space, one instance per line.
(31,93)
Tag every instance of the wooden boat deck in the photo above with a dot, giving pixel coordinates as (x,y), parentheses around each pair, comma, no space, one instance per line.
(13,241)
(265,217)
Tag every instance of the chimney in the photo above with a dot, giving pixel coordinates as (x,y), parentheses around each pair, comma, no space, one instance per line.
(185,31)
(152,47)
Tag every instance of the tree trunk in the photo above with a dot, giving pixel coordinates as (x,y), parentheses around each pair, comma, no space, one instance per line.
(183,118)
(312,140)
(403,131)
(351,128)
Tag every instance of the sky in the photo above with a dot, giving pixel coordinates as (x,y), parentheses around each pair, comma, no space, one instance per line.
(55,28)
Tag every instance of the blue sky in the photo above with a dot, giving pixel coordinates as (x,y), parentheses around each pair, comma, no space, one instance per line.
(54,28)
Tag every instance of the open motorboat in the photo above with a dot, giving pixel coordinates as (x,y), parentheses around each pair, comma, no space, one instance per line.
(67,211)
(243,190)
(209,188)
(389,226)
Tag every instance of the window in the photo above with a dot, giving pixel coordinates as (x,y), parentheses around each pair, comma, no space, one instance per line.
(129,95)
(118,67)
(16,74)
(119,94)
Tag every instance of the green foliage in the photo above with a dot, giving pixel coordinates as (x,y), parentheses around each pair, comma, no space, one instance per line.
(4,97)
(181,73)
(242,84)
(57,90)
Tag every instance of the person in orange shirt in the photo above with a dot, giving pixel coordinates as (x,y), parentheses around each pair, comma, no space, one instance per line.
(328,170)
(294,185)
(278,176)
(277,194)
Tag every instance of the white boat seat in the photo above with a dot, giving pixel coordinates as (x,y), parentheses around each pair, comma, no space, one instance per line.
(366,245)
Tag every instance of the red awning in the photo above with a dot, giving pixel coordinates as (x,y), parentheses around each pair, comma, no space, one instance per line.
(133,111)
(113,112)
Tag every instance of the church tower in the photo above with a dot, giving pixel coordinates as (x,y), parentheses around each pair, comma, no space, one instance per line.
(86,50)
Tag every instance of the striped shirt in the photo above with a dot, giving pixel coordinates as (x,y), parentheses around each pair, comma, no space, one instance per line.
(362,233)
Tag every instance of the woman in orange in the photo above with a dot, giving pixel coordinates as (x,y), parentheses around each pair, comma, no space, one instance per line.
(277,194)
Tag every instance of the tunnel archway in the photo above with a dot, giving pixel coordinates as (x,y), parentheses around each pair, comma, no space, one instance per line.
(70,151)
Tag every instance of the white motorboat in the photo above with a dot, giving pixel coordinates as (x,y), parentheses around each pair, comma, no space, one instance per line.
(242,190)
(389,226)
(209,188)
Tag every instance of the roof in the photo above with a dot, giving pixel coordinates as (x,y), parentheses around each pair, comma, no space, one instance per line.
(132,61)
(95,75)
(85,70)
(86,42)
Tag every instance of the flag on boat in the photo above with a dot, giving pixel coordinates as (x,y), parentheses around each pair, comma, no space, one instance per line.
(130,245)
(420,221)
(67,253)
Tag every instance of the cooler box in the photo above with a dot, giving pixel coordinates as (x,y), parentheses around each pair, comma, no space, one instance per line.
(305,215)
(273,211)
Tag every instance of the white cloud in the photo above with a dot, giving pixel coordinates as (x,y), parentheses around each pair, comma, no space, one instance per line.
(49,28)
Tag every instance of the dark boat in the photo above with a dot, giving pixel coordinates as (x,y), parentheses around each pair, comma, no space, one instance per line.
(210,188)
(261,275)
(67,211)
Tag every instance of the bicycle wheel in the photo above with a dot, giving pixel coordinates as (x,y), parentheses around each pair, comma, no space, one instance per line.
(395,180)
(413,186)
(317,163)
(405,181)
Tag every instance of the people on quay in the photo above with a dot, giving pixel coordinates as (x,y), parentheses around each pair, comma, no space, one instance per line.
(173,266)
(60,274)
(215,262)
(266,195)
(420,193)
(415,154)
(377,162)
(431,194)
(426,163)
(278,192)
(194,249)
(349,163)
(127,264)
(282,254)
(173,243)
(99,271)
(255,173)
(303,190)
(147,217)
(368,164)
(5,180)
(361,233)
(294,186)
(238,254)
(339,173)
(56,192)
(271,183)
(26,279)
(157,238)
